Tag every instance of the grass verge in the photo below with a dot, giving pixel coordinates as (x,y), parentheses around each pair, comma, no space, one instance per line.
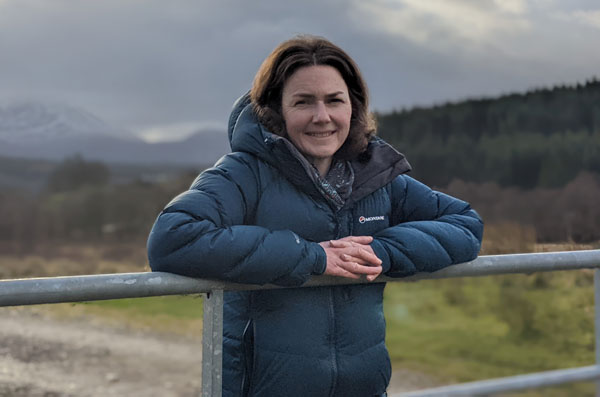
(176,315)
(478,328)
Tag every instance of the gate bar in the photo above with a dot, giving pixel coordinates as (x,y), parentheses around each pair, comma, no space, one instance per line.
(511,383)
(35,291)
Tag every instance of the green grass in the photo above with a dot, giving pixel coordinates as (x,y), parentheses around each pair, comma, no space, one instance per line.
(164,314)
(181,307)
(470,329)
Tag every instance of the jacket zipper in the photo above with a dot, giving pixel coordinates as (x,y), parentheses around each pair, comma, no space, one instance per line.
(334,368)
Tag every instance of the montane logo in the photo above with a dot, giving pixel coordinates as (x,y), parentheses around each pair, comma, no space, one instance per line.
(362,219)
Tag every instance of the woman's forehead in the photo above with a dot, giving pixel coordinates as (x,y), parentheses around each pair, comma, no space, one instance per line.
(315,80)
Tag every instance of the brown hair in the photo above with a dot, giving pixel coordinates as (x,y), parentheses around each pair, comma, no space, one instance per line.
(302,51)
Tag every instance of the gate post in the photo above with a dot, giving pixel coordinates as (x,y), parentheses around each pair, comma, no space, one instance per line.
(212,344)
(597,322)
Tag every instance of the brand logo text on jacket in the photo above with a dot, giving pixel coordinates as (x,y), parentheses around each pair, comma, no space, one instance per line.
(362,219)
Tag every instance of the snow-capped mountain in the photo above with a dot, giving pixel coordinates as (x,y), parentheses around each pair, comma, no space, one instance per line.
(54,131)
(37,122)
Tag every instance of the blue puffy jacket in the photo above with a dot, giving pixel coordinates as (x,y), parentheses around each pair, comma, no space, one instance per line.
(257,217)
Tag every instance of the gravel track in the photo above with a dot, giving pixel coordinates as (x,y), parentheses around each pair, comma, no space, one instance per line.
(43,356)
(48,357)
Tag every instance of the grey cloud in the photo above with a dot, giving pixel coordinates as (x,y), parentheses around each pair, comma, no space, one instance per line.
(145,64)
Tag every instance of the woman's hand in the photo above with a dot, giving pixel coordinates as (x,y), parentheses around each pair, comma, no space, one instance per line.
(351,257)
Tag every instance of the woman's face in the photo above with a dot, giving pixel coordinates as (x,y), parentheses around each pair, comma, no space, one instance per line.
(316,109)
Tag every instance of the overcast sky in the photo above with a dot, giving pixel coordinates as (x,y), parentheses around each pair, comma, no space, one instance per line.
(163,69)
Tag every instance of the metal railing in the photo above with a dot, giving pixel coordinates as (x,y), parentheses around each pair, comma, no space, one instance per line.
(135,285)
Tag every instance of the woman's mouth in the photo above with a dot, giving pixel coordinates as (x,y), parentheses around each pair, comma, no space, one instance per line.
(323,134)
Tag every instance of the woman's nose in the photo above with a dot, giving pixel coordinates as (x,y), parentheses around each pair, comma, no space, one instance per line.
(321,114)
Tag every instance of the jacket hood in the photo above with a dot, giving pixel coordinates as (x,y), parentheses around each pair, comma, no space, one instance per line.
(246,134)
(373,169)
(239,105)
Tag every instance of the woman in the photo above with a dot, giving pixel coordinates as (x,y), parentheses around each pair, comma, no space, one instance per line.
(308,190)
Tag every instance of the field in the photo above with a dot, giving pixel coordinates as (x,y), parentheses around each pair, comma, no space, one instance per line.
(451,330)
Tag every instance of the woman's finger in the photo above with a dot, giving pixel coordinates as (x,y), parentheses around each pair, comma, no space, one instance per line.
(351,240)
(372,277)
(340,243)
(365,255)
(362,254)
(359,260)
(355,268)
(358,239)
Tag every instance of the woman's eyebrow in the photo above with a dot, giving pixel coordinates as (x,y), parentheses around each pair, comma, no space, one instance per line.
(307,95)
(303,95)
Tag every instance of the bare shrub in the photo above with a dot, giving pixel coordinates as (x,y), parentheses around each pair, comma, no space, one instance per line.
(508,237)
(578,208)
(566,214)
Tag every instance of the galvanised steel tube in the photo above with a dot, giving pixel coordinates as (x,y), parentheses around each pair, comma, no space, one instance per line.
(136,285)
(98,287)
(512,383)
(597,321)
(519,263)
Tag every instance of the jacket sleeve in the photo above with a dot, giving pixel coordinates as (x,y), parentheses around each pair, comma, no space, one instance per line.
(431,230)
(203,232)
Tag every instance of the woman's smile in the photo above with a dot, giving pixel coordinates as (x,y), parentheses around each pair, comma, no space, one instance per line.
(323,134)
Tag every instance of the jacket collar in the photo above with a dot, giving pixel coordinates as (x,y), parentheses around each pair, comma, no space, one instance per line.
(378,166)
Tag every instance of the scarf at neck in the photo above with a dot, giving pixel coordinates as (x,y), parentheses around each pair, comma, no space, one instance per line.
(337,184)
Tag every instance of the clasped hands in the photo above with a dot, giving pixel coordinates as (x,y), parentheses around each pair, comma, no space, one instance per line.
(351,257)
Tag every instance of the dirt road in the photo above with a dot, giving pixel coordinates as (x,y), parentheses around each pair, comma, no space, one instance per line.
(43,356)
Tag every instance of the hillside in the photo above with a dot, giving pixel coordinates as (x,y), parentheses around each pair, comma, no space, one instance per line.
(50,131)
(544,137)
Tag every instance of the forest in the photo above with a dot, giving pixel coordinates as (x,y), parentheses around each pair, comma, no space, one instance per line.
(540,139)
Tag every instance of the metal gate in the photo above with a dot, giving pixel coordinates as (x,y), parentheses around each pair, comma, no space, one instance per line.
(136,285)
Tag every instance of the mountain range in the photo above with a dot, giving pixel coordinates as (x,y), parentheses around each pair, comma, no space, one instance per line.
(34,129)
